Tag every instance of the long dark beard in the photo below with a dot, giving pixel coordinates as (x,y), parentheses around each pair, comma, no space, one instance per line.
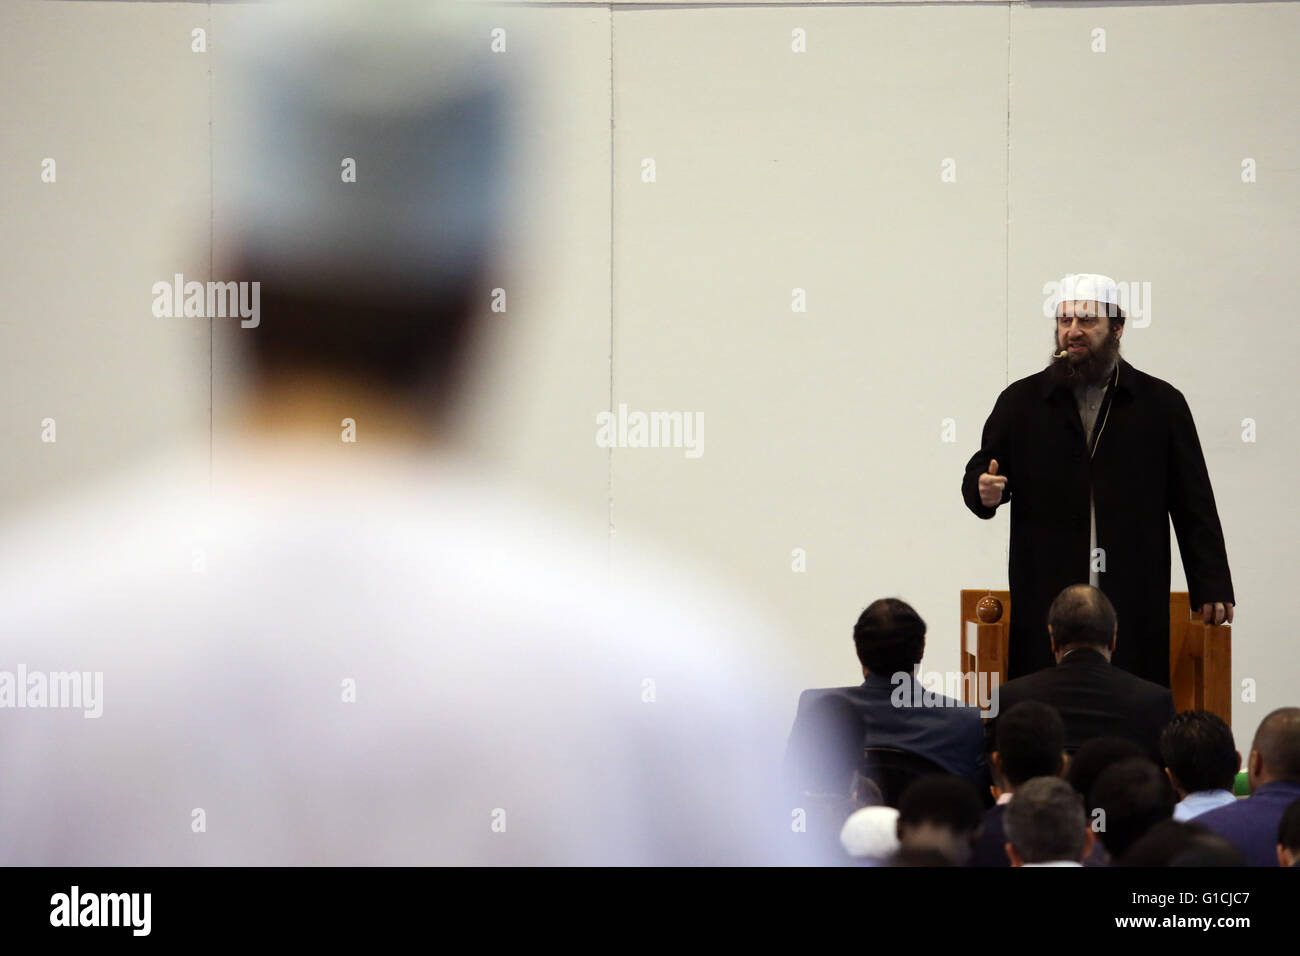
(1090,369)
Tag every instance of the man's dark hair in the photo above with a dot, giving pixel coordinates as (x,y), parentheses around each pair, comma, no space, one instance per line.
(1288,829)
(1278,741)
(1082,614)
(889,637)
(943,800)
(406,339)
(1133,795)
(1045,821)
(1030,740)
(1171,843)
(1198,749)
(1095,756)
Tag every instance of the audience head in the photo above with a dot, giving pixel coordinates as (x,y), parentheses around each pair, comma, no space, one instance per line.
(940,812)
(871,834)
(1029,742)
(1198,752)
(1081,616)
(373,286)
(1288,835)
(889,637)
(1275,752)
(1095,756)
(1045,822)
(1170,843)
(1128,799)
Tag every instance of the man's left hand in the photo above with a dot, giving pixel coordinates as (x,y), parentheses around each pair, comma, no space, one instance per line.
(1218,613)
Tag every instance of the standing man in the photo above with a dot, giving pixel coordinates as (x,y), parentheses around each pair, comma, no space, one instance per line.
(1095,457)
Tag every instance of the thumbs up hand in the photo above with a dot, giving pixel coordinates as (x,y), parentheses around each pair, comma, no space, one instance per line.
(991,485)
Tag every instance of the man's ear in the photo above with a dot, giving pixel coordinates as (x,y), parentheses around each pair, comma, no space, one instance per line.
(1063,765)
(1089,838)
(1012,855)
(1173,781)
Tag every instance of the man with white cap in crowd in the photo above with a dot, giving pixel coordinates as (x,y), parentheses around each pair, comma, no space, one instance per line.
(1095,457)
(367,652)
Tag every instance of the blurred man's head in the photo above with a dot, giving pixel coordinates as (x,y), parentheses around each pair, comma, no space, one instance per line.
(1275,752)
(1095,756)
(1171,843)
(1128,799)
(941,814)
(1045,823)
(1029,742)
(889,637)
(1288,835)
(1082,616)
(1198,752)
(366,194)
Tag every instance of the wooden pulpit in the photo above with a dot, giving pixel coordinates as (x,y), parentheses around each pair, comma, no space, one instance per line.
(1200,654)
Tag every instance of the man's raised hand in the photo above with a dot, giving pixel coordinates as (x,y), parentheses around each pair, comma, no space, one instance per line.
(991,485)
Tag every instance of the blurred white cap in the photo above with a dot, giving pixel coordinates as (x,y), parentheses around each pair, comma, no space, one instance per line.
(408,90)
(871,833)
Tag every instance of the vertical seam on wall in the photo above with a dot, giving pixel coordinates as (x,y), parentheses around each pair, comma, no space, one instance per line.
(609,486)
(1006,249)
(211,277)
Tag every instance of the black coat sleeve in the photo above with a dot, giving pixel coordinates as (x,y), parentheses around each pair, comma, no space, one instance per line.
(1195,517)
(995,443)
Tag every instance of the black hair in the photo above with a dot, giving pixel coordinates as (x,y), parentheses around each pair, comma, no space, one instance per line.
(402,339)
(1082,614)
(1288,828)
(943,800)
(1029,739)
(1095,756)
(1198,749)
(889,637)
(1171,843)
(1133,796)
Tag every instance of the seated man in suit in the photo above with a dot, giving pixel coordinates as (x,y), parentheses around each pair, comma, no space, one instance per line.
(1273,769)
(1094,698)
(892,707)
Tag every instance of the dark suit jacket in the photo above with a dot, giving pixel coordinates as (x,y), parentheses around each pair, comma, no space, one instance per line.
(950,735)
(1251,823)
(1094,699)
(1148,468)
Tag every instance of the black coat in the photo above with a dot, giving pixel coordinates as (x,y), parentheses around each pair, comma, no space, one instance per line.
(1148,468)
(1094,699)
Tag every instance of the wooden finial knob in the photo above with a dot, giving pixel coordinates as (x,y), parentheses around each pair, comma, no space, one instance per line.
(989,609)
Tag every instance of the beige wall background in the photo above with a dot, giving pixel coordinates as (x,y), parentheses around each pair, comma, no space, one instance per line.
(825,430)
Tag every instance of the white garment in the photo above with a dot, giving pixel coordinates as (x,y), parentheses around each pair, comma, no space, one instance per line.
(501,679)
(1055,863)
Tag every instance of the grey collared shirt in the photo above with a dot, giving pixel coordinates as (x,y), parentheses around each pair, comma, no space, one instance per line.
(1090,398)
